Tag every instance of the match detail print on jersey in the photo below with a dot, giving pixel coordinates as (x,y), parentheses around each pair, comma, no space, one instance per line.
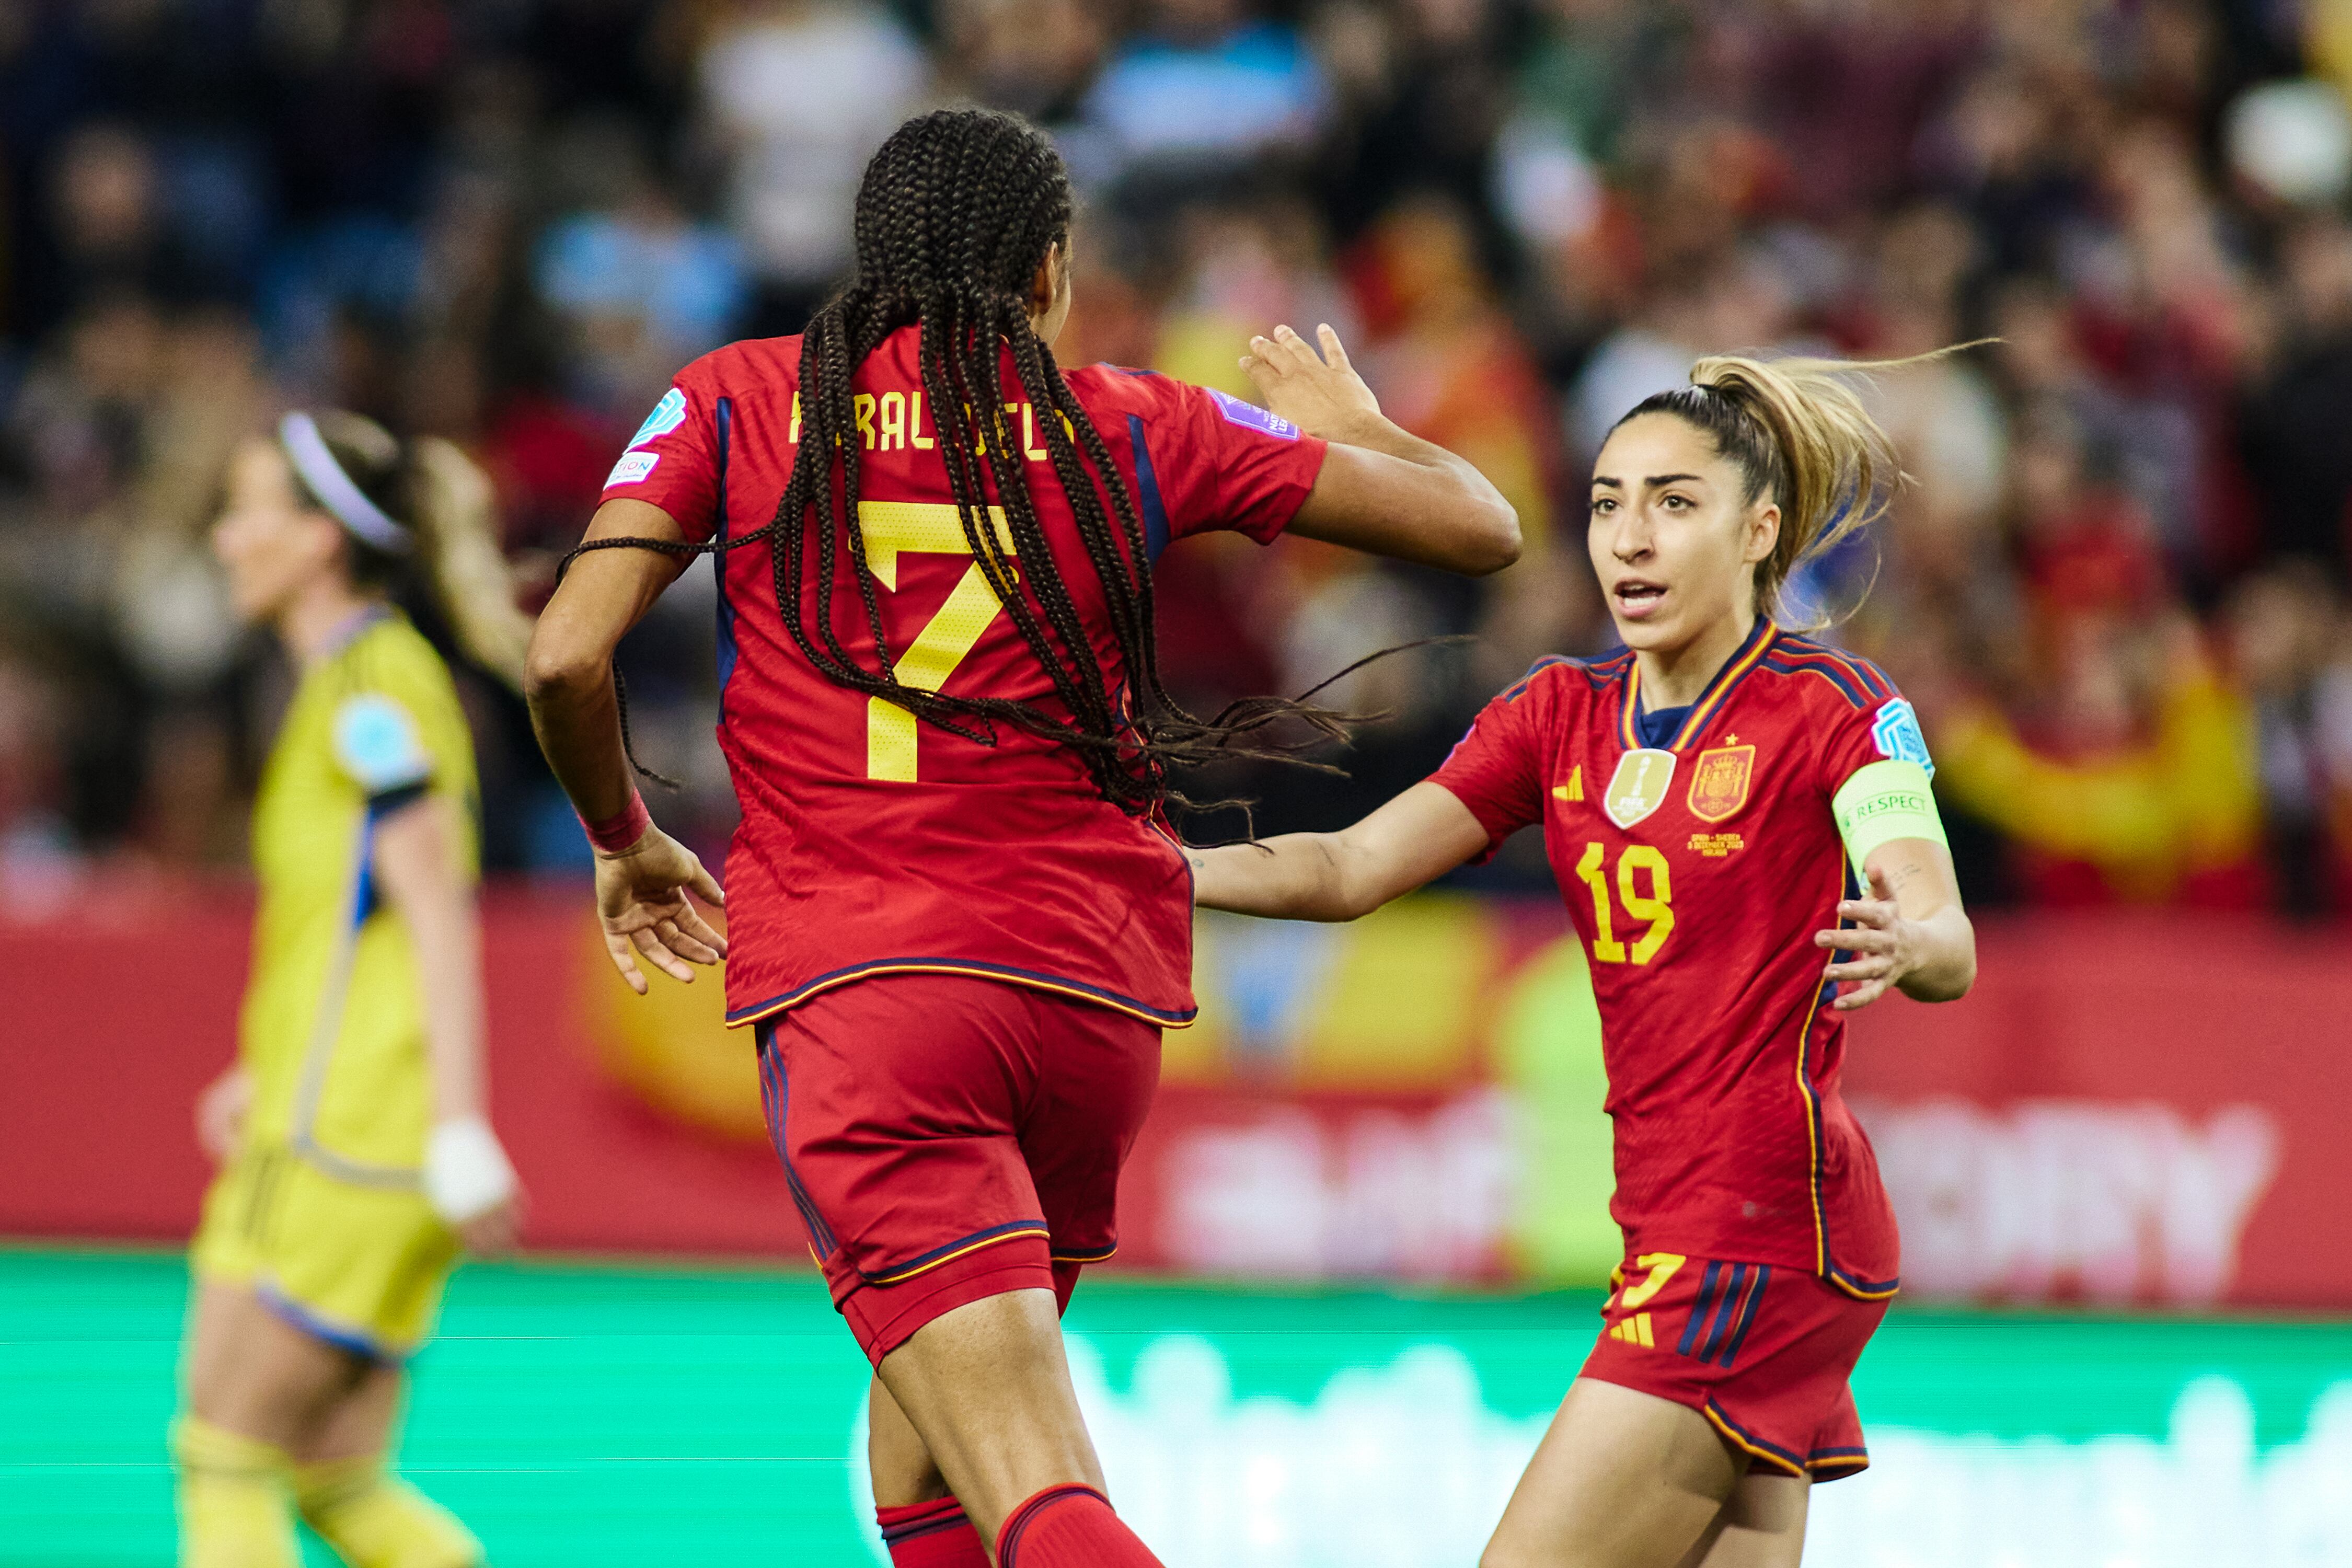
(893,529)
(1639,786)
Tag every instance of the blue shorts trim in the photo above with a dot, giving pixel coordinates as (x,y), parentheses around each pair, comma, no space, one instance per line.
(339,1335)
(1035,979)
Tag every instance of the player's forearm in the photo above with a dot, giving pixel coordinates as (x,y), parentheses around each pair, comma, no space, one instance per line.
(415,861)
(1947,965)
(1295,876)
(577,717)
(1386,491)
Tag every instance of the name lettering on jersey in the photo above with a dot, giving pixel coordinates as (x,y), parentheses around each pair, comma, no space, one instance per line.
(1574,788)
(1639,786)
(893,422)
(1719,783)
(1716,846)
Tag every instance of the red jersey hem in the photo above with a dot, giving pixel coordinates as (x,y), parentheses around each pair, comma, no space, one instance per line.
(753,1012)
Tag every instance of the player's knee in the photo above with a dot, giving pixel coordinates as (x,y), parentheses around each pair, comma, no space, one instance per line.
(375,1519)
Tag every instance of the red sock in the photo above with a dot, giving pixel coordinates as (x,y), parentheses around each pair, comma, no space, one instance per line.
(931,1535)
(1069,1527)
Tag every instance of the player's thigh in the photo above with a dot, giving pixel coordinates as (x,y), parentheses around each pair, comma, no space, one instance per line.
(250,1371)
(1761,1525)
(988,1388)
(900,1462)
(358,1423)
(1622,1479)
(1098,1070)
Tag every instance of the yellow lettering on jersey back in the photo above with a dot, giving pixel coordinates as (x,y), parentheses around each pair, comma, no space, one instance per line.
(1574,788)
(892,528)
(795,436)
(1029,447)
(893,422)
(914,437)
(862,408)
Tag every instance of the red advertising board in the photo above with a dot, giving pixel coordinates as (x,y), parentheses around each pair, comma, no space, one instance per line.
(2128,1108)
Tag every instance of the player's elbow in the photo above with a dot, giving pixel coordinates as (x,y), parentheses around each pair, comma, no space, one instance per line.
(561,665)
(1492,539)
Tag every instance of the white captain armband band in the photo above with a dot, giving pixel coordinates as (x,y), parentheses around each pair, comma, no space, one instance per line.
(466,1171)
(1883,802)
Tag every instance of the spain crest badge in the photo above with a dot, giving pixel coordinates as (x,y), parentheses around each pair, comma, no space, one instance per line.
(1639,786)
(1719,783)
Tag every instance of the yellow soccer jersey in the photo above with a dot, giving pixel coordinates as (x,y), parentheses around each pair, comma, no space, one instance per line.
(332,1029)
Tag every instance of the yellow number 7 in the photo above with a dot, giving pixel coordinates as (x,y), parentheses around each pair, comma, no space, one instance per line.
(893,529)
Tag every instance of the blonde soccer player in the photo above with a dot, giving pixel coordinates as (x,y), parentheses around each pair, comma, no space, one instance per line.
(356,1157)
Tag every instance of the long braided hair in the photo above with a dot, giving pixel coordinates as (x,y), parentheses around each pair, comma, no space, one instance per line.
(955,216)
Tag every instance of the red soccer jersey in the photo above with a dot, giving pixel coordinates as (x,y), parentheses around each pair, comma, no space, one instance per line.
(1698,873)
(870,842)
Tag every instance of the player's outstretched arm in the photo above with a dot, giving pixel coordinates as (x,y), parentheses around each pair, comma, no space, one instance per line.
(1415,838)
(641,887)
(1383,488)
(1911,934)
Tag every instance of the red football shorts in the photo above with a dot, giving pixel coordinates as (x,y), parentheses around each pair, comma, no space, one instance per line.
(948,1138)
(1762,1352)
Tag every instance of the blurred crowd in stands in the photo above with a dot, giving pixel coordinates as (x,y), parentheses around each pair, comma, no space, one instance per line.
(2116,590)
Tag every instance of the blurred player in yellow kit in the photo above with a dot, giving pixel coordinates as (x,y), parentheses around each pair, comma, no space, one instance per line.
(357,1156)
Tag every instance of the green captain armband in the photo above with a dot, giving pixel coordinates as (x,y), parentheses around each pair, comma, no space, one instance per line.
(1881,802)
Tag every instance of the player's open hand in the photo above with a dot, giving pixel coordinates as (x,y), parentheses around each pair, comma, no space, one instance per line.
(493,1232)
(1882,946)
(642,903)
(1321,394)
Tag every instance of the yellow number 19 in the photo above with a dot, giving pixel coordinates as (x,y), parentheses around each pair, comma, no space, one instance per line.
(1655,908)
(893,529)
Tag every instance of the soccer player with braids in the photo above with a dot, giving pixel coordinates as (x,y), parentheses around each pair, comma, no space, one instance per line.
(957,918)
(356,1155)
(1741,821)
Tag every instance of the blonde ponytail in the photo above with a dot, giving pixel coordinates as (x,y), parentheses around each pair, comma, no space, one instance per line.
(458,548)
(1799,432)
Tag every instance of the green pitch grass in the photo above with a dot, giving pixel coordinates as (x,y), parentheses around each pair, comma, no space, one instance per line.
(580,1415)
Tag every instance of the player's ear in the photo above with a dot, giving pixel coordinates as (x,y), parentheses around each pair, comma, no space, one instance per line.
(1053,276)
(1763,532)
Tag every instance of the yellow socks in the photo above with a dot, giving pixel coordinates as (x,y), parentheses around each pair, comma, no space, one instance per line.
(232,1500)
(377,1521)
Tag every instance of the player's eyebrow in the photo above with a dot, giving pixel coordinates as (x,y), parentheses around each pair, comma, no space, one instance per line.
(1655,480)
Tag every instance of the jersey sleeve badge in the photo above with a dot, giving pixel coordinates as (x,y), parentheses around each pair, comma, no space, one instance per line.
(376,743)
(634,468)
(1896,731)
(1250,417)
(1719,783)
(666,416)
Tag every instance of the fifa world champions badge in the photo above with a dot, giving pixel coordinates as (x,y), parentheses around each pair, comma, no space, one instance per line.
(1719,783)
(1639,786)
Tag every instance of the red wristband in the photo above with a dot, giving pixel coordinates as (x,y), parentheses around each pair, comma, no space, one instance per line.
(615,834)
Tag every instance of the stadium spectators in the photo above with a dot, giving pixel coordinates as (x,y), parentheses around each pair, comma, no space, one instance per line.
(2117,588)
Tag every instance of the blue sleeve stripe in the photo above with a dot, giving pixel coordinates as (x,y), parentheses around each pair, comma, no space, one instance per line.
(1835,674)
(1147,491)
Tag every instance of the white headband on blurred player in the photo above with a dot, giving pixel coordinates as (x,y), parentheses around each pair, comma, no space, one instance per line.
(307,450)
